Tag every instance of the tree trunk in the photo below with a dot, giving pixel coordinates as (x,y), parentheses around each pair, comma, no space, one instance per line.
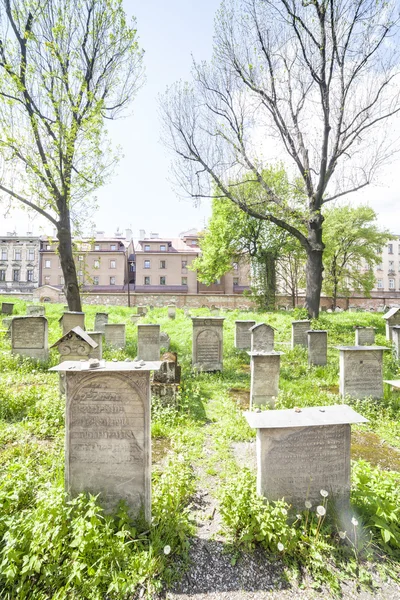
(314,268)
(270,279)
(71,287)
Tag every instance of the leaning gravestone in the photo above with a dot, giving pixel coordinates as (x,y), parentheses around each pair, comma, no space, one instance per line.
(395,339)
(35,310)
(75,345)
(207,343)
(172,311)
(114,334)
(29,337)
(301,451)
(300,331)
(108,440)
(243,334)
(148,347)
(365,336)
(165,340)
(262,338)
(71,319)
(317,346)
(100,320)
(97,337)
(361,371)
(264,383)
(392,317)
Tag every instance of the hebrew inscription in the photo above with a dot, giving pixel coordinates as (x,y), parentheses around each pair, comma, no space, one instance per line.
(28,333)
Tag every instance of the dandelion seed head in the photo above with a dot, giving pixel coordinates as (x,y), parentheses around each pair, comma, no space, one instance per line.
(281,547)
(308,504)
(324,493)
(342,535)
(354,522)
(167,549)
(321,511)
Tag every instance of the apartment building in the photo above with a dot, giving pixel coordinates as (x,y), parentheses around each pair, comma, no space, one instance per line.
(387,272)
(19,262)
(101,262)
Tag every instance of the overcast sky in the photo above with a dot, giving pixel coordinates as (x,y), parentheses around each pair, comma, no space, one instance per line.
(139,195)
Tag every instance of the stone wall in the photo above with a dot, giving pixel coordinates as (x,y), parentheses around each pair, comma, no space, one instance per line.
(180,300)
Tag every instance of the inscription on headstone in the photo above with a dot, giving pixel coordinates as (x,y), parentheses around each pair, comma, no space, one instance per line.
(361,371)
(264,385)
(207,344)
(300,330)
(262,338)
(100,320)
(365,336)
(29,337)
(243,334)
(114,334)
(317,347)
(148,341)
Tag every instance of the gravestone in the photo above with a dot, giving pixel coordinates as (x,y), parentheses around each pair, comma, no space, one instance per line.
(35,310)
(262,338)
(207,343)
(300,331)
(214,311)
(135,319)
(7,308)
(395,339)
(148,347)
(301,451)
(392,317)
(365,336)
(97,337)
(171,311)
(108,440)
(166,380)
(243,334)
(317,346)
(70,319)
(165,340)
(100,320)
(114,334)
(6,324)
(142,311)
(264,372)
(75,345)
(29,337)
(361,371)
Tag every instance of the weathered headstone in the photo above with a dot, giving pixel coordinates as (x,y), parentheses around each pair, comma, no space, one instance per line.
(365,336)
(6,324)
(35,310)
(317,346)
(301,451)
(300,331)
(148,347)
(392,317)
(100,320)
(395,339)
(135,319)
(165,340)
(114,334)
(214,311)
(97,337)
(361,371)
(7,308)
(165,384)
(207,343)
(243,334)
(172,311)
(264,385)
(70,319)
(262,338)
(108,440)
(142,310)
(76,344)
(29,337)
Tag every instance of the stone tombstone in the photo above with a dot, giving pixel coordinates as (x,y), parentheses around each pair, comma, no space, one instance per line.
(361,371)
(170,371)
(317,340)
(365,336)
(35,310)
(75,345)
(7,308)
(142,310)
(262,338)
(165,340)
(207,343)
(300,331)
(135,318)
(29,337)
(148,345)
(6,323)
(243,334)
(171,311)
(392,317)
(264,373)
(107,429)
(214,311)
(100,320)
(395,339)
(70,319)
(114,334)
(97,337)
(301,451)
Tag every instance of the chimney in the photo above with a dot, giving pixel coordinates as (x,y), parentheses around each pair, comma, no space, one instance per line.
(99,235)
(128,234)
(142,234)
(154,236)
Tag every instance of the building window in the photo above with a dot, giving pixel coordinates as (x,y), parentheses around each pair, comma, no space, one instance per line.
(48,247)
(96,264)
(112,280)
(391,264)
(184,281)
(379,267)
(113,247)
(235,266)
(194,243)
(217,282)
(163,248)
(162,264)
(29,275)
(236,281)
(47,264)
(3,254)
(30,254)
(147,264)
(147,281)
(80,257)
(391,284)
(390,248)
(184,264)
(61,280)
(112,264)
(97,246)
(17,254)
(2,275)
(379,284)
(147,248)
(95,281)
(47,280)
(162,280)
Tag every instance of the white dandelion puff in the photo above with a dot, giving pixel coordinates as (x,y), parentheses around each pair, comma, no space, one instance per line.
(321,511)
(167,549)
(324,493)
(354,522)
(342,535)
(308,504)
(281,547)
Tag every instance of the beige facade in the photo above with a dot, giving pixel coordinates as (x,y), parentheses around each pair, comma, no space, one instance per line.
(387,273)
(19,263)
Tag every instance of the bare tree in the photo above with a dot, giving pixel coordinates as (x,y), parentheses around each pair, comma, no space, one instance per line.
(65,67)
(315,80)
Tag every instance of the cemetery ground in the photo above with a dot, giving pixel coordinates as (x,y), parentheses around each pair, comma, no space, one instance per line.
(210,535)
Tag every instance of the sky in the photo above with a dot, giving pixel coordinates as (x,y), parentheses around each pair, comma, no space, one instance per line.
(140,194)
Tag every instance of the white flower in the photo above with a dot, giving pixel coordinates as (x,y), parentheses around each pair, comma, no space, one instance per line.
(298,517)
(354,522)
(324,493)
(321,511)
(308,504)
(167,549)
(281,547)
(284,511)
(342,535)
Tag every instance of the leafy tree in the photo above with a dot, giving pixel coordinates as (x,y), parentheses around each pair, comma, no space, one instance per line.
(317,81)
(353,246)
(65,67)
